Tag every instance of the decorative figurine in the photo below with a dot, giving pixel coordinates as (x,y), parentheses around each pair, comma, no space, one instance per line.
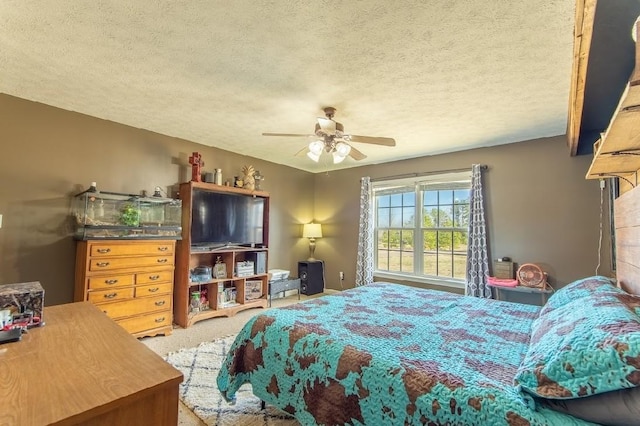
(259,178)
(219,269)
(196,162)
(249,182)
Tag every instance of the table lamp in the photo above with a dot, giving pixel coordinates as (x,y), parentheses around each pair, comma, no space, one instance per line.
(312,231)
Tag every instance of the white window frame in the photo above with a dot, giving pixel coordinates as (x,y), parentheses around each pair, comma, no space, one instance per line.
(445,180)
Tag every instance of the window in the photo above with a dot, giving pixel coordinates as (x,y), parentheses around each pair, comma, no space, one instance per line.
(421,227)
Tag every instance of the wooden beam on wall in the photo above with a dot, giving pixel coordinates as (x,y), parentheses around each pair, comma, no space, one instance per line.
(583,30)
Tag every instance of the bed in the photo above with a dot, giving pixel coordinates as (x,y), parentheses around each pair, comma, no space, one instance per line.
(390,354)
(387,354)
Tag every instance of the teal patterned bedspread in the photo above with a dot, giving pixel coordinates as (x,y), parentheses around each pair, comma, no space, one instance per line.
(387,354)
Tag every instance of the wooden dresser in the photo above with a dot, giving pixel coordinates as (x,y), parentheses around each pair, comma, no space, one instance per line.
(129,280)
(81,368)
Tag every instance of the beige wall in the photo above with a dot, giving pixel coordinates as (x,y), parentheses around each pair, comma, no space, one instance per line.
(539,206)
(48,154)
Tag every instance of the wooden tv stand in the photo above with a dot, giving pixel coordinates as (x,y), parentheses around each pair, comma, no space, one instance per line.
(83,368)
(234,290)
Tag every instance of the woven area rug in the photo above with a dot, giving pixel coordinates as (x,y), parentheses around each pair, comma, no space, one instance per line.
(199,392)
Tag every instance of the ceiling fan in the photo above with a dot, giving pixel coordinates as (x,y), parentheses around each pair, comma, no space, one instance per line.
(329,136)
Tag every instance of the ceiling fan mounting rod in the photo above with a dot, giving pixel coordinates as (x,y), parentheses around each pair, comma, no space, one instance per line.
(330,145)
(329,112)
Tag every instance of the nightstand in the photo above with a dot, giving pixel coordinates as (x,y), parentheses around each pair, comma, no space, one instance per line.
(513,292)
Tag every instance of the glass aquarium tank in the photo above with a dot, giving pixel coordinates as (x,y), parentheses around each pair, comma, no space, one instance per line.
(105,215)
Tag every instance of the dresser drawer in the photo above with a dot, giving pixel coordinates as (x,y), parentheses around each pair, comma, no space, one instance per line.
(138,306)
(154,277)
(103,296)
(113,264)
(146,322)
(130,280)
(153,289)
(136,249)
(109,281)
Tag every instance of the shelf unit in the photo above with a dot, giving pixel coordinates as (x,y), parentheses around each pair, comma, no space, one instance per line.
(251,288)
(617,153)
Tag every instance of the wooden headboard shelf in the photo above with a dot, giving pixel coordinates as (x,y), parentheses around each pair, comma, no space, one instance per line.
(617,152)
(627,224)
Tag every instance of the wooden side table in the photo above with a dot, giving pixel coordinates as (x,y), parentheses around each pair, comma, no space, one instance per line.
(83,368)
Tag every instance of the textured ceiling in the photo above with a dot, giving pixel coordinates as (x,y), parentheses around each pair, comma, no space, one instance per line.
(438,76)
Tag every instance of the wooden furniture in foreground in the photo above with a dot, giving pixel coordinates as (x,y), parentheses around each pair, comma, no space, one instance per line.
(217,289)
(82,368)
(129,280)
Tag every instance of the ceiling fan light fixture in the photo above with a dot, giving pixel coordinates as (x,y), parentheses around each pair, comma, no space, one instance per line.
(314,157)
(337,158)
(343,149)
(316,147)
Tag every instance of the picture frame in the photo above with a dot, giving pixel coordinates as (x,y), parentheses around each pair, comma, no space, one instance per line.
(220,271)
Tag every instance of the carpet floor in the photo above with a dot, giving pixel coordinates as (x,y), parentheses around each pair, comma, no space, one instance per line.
(198,391)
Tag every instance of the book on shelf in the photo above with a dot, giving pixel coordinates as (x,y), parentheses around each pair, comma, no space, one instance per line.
(227,297)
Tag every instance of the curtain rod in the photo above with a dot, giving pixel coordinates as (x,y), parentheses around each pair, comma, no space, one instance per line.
(412,175)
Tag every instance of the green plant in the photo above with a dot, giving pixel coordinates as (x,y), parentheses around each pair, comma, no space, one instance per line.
(129,215)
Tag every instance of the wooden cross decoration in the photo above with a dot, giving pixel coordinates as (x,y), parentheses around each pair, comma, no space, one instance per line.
(196,162)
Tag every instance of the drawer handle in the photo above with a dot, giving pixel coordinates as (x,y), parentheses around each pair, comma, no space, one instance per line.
(110,281)
(164,260)
(160,319)
(104,250)
(154,277)
(110,295)
(102,264)
(163,248)
(160,303)
(153,290)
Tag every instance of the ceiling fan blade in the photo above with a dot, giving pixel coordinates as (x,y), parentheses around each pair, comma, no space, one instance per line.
(356,155)
(302,152)
(373,140)
(297,135)
(288,134)
(327,126)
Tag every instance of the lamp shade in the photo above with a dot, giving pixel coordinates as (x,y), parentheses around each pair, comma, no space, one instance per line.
(312,230)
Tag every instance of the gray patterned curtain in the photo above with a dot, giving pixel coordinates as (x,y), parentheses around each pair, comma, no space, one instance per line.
(477,258)
(364,267)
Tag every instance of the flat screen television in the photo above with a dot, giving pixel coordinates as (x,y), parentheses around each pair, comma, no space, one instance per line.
(221,219)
